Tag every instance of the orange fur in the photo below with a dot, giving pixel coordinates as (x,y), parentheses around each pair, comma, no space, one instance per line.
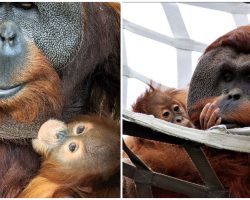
(45,190)
(87,72)
(64,173)
(42,92)
(155,101)
(115,6)
(162,157)
(181,96)
(231,167)
(239,39)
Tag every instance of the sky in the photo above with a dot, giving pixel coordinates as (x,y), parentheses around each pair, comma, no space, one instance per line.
(156,60)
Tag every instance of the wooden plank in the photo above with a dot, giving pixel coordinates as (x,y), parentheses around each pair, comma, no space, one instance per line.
(217,137)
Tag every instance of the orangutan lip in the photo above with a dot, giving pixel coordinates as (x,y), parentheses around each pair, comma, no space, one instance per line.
(8,92)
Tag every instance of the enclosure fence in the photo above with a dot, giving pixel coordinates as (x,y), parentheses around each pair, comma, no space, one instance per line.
(181,41)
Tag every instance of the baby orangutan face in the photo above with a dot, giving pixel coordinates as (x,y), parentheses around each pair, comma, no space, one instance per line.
(163,106)
(173,111)
(87,146)
(94,143)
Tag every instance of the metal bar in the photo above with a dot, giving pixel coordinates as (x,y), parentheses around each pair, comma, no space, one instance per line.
(177,43)
(141,179)
(180,186)
(128,170)
(170,183)
(184,67)
(184,57)
(132,129)
(207,173)
(130,73)
(175,20)
(124,78)
(234,8)
(143,190)
(135,160)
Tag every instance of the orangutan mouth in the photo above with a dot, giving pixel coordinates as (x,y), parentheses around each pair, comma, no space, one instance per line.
(8,92)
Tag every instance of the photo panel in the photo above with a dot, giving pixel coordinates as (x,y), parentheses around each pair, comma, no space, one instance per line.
(185,99)
(60,99)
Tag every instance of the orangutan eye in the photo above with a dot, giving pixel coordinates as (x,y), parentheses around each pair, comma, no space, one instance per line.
(176,108)
(72,147)
(24,5)
(80,129)
(228,76)
(166,114)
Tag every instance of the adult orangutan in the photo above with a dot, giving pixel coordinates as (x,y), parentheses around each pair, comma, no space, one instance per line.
(80,159)
(57,60)
(219,89)
(218,93)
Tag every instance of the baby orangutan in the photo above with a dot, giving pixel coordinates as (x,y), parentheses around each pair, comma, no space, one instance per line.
(168,105)
(81,159)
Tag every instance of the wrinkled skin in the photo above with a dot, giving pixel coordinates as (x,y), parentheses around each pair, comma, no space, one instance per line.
(228,72)
(222,78)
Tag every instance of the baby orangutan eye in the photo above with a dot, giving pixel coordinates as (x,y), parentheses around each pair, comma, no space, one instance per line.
(166,114)
(72,146)
(80,129)
(176,108)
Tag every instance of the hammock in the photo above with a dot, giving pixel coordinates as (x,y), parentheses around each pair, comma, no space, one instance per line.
(149,127)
